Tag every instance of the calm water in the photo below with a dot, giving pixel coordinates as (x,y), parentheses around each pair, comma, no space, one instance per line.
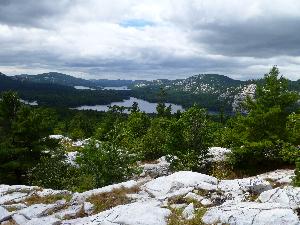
(144,106)
(122,88)
(84,88)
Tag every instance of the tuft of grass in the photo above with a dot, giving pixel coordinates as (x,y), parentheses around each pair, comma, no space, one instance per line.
(108,200)
(176,217)
(35,199)
(222,170)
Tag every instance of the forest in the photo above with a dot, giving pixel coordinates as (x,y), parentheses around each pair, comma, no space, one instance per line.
(266,137)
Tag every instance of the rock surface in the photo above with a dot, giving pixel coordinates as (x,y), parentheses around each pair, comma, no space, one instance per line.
(264,199)
(251,213)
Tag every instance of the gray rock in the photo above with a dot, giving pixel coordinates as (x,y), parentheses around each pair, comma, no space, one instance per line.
(4,214)
(287,196)
(251,213)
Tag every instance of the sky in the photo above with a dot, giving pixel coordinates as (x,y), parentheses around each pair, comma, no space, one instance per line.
(150,39)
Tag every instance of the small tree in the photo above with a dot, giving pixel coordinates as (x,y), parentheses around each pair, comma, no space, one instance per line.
(189,140)
(24,141)
(262,134)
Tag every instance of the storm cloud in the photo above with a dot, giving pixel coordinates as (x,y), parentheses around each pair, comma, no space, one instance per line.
(150,39)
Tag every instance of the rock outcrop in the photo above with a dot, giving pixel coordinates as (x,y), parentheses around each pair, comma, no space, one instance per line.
(152,198)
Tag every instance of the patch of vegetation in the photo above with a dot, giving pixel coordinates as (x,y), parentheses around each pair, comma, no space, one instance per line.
(108,200)
(297,173)
(176,217)
(50,199)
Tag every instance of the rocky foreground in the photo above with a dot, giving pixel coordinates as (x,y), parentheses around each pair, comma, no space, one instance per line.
(155,197)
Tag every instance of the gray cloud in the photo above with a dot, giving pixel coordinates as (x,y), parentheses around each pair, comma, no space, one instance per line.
(254,38)
(31,12)
(242,39)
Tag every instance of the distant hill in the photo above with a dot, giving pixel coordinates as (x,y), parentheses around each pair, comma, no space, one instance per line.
(52,94)
(67,80)
(212,91)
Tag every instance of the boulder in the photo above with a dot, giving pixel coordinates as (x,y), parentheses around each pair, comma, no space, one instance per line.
(287,196)
(4,214)
(158,169)
(179,183)
(141,213)
(189,212)
(251,213)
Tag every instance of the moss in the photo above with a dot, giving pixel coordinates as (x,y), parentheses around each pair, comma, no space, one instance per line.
(108,200)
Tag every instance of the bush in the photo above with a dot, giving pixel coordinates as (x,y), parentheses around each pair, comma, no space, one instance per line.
(106,163)
(153,144)
(55,173)
(297,173)
(189,140)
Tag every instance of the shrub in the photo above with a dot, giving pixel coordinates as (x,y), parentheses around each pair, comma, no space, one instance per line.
(55,173)
(189,139)
(297,173)
(106,163)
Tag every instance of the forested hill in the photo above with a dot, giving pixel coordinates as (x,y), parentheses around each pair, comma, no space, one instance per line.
(212,91)
(51,94)
(68,80)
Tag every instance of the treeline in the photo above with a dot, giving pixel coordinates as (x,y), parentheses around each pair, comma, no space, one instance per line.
(265,138)
(53,95)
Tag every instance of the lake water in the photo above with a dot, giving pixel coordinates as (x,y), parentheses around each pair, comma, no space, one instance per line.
(122,88)
(144,106)
(84,88)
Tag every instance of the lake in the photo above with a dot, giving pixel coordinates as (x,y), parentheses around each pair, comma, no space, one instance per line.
(144,106)
(84,88)
(121,88)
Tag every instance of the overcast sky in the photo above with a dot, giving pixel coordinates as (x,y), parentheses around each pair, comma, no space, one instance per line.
(148,39)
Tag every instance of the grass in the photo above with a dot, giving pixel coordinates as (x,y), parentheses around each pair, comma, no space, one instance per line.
(176,217)
(108,200)
(35,199)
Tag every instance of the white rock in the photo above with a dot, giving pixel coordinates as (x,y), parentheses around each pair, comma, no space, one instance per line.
(251,184)
(189,212)
(50,192)
(70,212)
(14,197)
(163,187)
(161,168)
(194,196)
(41,210)
(218,153)
(81,197)
(17,206)
(56,136)
(279,176)
(287,196)
(206,202)
(251,213)
(88,208)
(49,220)
(4,214)
(20,219)
(147,213)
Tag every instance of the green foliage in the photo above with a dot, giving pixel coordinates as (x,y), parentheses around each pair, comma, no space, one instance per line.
(189,140)
(265,136)
(153,143)
(55,173)
(106,163)
(23,132)
(297,173)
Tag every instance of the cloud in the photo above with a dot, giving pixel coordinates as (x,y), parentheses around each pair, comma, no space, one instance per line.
(150,39)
